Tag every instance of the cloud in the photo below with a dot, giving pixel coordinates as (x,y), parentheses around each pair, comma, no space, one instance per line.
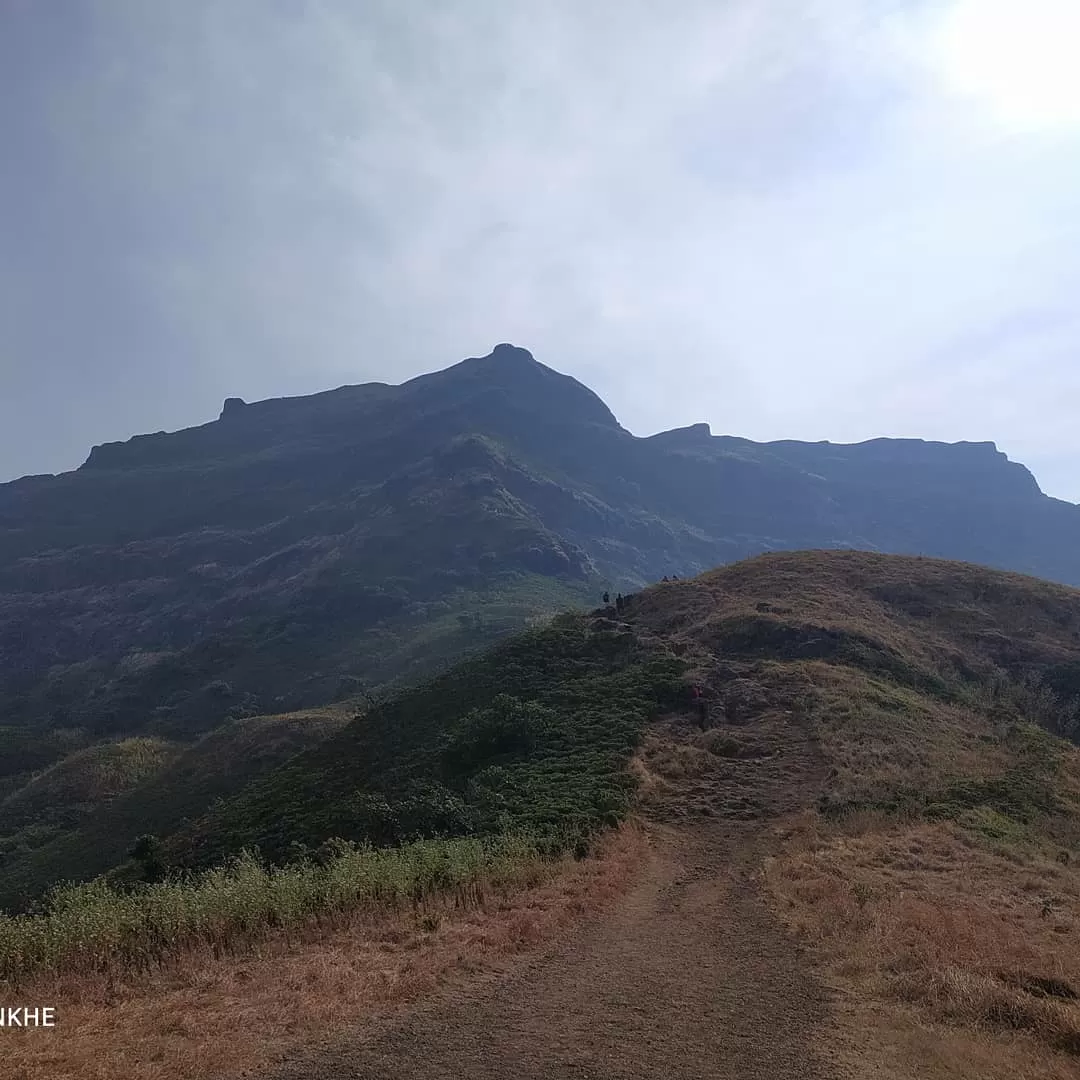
(770,217)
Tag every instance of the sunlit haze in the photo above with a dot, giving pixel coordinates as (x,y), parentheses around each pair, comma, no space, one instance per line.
(1019,58)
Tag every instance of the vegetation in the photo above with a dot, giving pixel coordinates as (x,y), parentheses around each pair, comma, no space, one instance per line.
(94,928)
(516,755)
(188,783)
(59,796)
(532,736)
(26,750)
(939,875)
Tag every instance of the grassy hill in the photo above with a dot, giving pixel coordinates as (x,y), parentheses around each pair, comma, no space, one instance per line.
(59,797)
(936,875)
(930,688)
(927,846)
(183,783)
(534,735)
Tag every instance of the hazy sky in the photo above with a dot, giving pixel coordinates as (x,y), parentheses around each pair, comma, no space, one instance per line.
(791,218)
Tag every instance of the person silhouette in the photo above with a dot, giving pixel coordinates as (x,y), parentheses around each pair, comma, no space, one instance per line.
(701,706)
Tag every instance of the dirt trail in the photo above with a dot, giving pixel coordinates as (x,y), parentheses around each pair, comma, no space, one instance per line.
(689,976)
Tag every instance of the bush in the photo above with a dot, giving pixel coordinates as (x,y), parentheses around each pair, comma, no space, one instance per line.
(508,727)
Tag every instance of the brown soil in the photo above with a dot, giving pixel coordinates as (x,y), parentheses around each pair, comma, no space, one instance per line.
(689,975)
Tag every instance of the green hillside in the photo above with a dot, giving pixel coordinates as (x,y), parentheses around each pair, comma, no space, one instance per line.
(57,799)
(534,735)
(923,684)
(890,744)
(184,784)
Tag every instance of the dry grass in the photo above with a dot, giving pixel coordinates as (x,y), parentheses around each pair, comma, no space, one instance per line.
(975,949)
(225,1018)
(673,751)
(880,737)
(939,910)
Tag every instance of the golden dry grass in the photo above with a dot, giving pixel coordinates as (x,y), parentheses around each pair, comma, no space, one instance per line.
(950,950)
(926,878)
(225,1018)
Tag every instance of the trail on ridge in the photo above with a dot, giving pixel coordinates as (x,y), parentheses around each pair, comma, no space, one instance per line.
(689,975)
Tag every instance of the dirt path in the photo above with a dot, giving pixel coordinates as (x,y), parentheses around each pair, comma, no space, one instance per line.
(688,977)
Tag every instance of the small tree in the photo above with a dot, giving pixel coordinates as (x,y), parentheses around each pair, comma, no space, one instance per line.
(149,854)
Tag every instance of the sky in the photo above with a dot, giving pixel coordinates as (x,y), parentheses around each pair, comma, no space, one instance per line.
(808,219)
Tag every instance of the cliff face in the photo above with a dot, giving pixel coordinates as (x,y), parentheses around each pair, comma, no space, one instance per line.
(269,556)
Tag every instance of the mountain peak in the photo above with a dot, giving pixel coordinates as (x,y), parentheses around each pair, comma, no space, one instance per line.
(520,383)
(506,351)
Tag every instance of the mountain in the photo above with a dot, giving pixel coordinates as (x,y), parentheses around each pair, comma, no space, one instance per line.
(288,552)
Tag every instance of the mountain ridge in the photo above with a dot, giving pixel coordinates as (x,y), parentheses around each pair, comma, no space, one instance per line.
(296,546)
(506,357)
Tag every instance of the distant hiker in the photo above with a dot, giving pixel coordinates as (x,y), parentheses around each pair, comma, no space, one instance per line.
(619,602)
(701,706)
(665,578)
(607,599)
(674,577)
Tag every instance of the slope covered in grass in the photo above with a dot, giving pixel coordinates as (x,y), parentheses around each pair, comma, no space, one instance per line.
(926,685)
(938,873)
(188,782)
(506,760)
(59,796)
(914,721)
(534,735)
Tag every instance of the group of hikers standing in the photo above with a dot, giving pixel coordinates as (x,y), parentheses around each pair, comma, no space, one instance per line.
(621,601)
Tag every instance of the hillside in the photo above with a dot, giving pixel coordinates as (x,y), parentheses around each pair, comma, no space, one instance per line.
(57,799)
(266,561)
(903,667)
(874,834)
(57,833)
